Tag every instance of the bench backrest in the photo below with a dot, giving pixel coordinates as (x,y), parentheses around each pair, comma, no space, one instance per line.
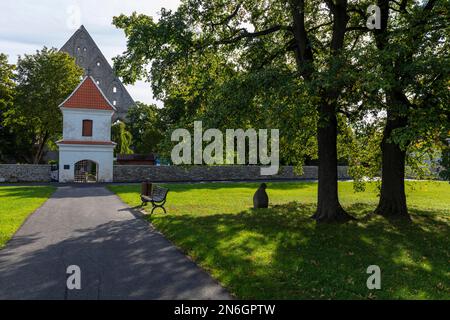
(159,193)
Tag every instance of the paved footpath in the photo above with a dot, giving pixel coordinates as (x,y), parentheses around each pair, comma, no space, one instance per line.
(120,256)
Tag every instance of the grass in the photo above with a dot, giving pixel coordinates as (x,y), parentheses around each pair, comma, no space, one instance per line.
(280,253)
(16,204)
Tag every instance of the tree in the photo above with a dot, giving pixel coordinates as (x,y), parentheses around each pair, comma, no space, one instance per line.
(44,80)
(411,56)
(145,126)
(122,137)
(307,38)
(445,163)
(7,90)
(7,84)
(209,89)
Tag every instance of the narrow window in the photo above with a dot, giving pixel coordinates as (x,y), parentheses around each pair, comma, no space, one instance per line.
(87,128)
(114,102)
(115,90)
(98,64)
(98,82)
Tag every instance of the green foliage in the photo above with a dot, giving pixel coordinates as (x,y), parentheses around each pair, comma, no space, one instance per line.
(407,66)
(241,84)
(145,125)
(445,163)
(122,137)
(44,80)
(7,91)
(364,152)
(406,76)
(6,82)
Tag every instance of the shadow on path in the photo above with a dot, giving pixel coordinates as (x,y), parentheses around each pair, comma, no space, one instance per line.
(120,257)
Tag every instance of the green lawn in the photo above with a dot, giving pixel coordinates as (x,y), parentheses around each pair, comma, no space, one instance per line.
(280,253)
(16,204)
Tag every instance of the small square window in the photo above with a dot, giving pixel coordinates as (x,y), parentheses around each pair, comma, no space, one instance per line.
(87,128)
(66,167)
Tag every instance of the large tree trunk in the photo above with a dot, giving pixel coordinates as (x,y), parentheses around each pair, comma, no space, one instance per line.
(328,207)
(392,198)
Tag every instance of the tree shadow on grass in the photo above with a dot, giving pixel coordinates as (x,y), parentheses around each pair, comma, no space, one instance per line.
(280,253)
(26,192)
(188,187)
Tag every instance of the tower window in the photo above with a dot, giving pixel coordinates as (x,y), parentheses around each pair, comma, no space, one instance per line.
(84,49)
(98,82)
(87,128)
(98,64)
(114,102)
(114,89)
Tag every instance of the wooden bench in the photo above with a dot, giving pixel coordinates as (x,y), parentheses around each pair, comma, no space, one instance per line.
(157,198)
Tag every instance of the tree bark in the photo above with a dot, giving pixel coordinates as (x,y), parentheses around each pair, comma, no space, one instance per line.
(328,207)
(392,201)
(38,156)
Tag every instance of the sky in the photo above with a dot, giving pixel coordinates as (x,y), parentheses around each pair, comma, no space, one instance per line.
(29,25)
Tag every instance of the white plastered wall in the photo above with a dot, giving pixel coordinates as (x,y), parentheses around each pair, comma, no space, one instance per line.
(71,154)
(73,123)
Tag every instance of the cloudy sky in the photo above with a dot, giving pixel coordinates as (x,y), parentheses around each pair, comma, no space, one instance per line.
(28,25)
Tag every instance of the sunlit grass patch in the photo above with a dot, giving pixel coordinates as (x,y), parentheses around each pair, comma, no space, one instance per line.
(16,204)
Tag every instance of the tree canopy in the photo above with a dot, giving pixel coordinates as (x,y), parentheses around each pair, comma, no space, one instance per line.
(123,138)
(44,80)
(7,90)
(145,125)
(311,68)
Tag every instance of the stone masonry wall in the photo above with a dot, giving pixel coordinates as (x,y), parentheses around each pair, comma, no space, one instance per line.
(25,173)
(134,173)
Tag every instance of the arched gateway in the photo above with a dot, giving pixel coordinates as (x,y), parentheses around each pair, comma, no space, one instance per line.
(86,171)
(86,150)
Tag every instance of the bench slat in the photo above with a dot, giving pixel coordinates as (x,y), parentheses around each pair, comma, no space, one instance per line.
(159,194)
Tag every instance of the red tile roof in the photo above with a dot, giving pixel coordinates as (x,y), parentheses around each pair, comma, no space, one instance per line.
(106,143)
(88,96)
